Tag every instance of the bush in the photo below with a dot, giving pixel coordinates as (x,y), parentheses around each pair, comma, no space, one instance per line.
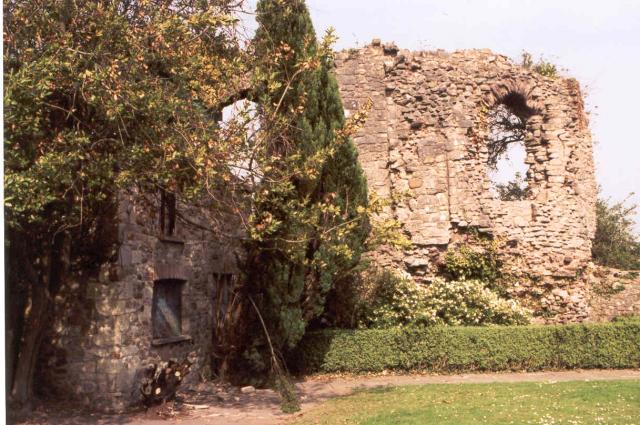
(542,67)
(463,349)
(392,300)
(388,299)
(470,302)
(615,244)
(478,259)
(627,318)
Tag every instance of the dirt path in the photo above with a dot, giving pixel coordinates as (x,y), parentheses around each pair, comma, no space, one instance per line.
(207,406)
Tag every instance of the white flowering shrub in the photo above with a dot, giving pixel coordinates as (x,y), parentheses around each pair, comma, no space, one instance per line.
(470,302)
(394,301)
(398,301)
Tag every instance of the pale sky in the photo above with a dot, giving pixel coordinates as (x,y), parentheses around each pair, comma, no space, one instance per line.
(597,42)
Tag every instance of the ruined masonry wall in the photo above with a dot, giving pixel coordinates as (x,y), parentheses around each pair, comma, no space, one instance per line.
(96,354)
(426,136)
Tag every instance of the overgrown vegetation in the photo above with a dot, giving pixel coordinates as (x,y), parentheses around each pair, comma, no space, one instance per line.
(480,257)
(479,261)
(309,212)
(514,190)
(615,243)
(100,96)
(391,300)
(627,319)
(463,349)
(470,291)
(542,66)
(125,95)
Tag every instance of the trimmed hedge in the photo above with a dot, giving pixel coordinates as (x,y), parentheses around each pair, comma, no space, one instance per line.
(462,348)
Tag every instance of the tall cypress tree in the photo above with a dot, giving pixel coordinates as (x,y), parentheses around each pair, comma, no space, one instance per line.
(308,211)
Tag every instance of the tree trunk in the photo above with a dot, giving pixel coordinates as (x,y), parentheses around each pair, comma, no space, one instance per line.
(42,279)
(15,304)
(29,347)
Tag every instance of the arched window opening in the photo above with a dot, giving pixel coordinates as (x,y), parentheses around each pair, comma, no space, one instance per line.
(506,150)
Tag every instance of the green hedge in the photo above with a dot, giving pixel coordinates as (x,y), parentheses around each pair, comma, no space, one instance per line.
(457,349)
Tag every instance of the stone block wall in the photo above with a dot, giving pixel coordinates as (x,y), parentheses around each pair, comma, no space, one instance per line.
(604,308)
(103,332)
(426,136)
(614,293)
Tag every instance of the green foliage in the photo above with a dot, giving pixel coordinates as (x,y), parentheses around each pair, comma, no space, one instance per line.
(607,287)
(627,319)
(285,387)
(470,302)
(514,190)
(386,299)
(391,300)
(472,294)
(464,349)
(542,67)
(309,212)
(615,244)
(545,68)
(480,261)
(632,275)
(101,97)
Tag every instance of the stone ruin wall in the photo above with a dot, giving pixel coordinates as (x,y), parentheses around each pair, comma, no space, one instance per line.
(426,136)
(605,307)
(95,355)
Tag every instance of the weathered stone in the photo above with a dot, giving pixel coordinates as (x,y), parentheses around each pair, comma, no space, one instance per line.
(416,261)
(415,183)
(110,333)
(248,390)
(561,293)
(433,117)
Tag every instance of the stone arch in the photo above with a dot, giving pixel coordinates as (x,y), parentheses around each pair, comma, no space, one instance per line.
(511,108)
(517,96)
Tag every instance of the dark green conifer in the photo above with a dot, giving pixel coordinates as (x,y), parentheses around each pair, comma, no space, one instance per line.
(310,227)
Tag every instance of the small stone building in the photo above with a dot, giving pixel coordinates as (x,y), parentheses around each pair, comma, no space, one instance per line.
(426,137)
(155,302)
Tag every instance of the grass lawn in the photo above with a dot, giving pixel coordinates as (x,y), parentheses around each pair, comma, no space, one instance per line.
(595,402)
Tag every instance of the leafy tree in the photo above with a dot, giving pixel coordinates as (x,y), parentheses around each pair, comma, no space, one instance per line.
(100,96)
(505,128)
(105,96)
(309,213)
(514,190)
(615,244)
